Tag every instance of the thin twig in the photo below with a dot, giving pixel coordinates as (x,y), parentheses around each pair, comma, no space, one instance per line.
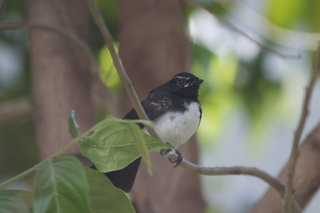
(235,170)
(297,136)
(118,65)
(237,30)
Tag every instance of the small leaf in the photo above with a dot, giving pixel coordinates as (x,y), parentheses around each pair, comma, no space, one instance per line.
(74,128)
(60,185)
(105,197)
(15,201)
(112,145)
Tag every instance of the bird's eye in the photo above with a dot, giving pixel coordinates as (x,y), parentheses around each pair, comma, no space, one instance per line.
(181,82)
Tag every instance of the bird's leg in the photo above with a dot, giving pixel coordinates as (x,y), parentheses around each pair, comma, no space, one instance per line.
(166,151)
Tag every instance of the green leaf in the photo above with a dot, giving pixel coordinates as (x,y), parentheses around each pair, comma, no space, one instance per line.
(105,197)
(60,185)
(113,144)
(15,201)
(74,128)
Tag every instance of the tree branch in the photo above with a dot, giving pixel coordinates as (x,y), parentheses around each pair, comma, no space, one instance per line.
(297,136)
(237,30)
(236,170)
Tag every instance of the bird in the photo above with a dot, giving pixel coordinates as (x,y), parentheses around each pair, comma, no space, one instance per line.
(176,112)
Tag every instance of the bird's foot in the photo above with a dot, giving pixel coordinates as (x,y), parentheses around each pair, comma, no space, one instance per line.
(172,151)
(178,161)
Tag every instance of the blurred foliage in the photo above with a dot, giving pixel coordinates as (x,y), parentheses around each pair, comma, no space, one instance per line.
(313,14)
(18,149)
(298,14)
(285,13)
(108,72)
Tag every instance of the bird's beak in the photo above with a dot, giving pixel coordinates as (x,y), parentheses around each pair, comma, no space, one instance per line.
(197,82)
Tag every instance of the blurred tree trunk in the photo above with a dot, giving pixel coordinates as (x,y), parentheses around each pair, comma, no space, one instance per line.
(307,179)
(154,48)
(60,81)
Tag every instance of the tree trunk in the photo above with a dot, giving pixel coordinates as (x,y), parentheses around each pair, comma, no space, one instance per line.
(60,82)
(153,47)
(307,178)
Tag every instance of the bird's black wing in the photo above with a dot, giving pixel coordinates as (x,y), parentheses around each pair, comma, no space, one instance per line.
(153,108)
(124,178)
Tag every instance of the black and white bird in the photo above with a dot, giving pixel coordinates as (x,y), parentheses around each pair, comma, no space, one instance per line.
(176,112)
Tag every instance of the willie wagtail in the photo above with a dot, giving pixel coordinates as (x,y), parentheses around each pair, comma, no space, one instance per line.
(175,110)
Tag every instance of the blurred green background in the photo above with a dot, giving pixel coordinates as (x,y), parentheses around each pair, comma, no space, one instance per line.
(251,98)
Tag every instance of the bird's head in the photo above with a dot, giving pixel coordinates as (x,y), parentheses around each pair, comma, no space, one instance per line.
(185,84)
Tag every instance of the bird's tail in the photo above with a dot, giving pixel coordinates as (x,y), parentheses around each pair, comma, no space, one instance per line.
(123,178)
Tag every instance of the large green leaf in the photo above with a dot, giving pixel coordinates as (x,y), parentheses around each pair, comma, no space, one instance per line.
(113,144)
(60,185)
(104,196)
(15,201)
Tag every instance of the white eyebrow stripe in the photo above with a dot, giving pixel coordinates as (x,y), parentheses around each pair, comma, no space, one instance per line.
(187,78)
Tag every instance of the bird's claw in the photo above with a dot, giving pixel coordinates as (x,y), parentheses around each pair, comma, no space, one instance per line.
(166,151)
(178,161)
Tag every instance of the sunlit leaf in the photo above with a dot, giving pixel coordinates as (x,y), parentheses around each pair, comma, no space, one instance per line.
(60,185)
(108,74)
(15,201)
(112,145)
(104,196)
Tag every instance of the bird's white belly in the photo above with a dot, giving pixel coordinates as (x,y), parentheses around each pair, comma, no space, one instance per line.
(177,127)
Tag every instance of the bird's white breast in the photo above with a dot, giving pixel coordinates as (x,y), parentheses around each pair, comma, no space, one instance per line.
(177,127)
